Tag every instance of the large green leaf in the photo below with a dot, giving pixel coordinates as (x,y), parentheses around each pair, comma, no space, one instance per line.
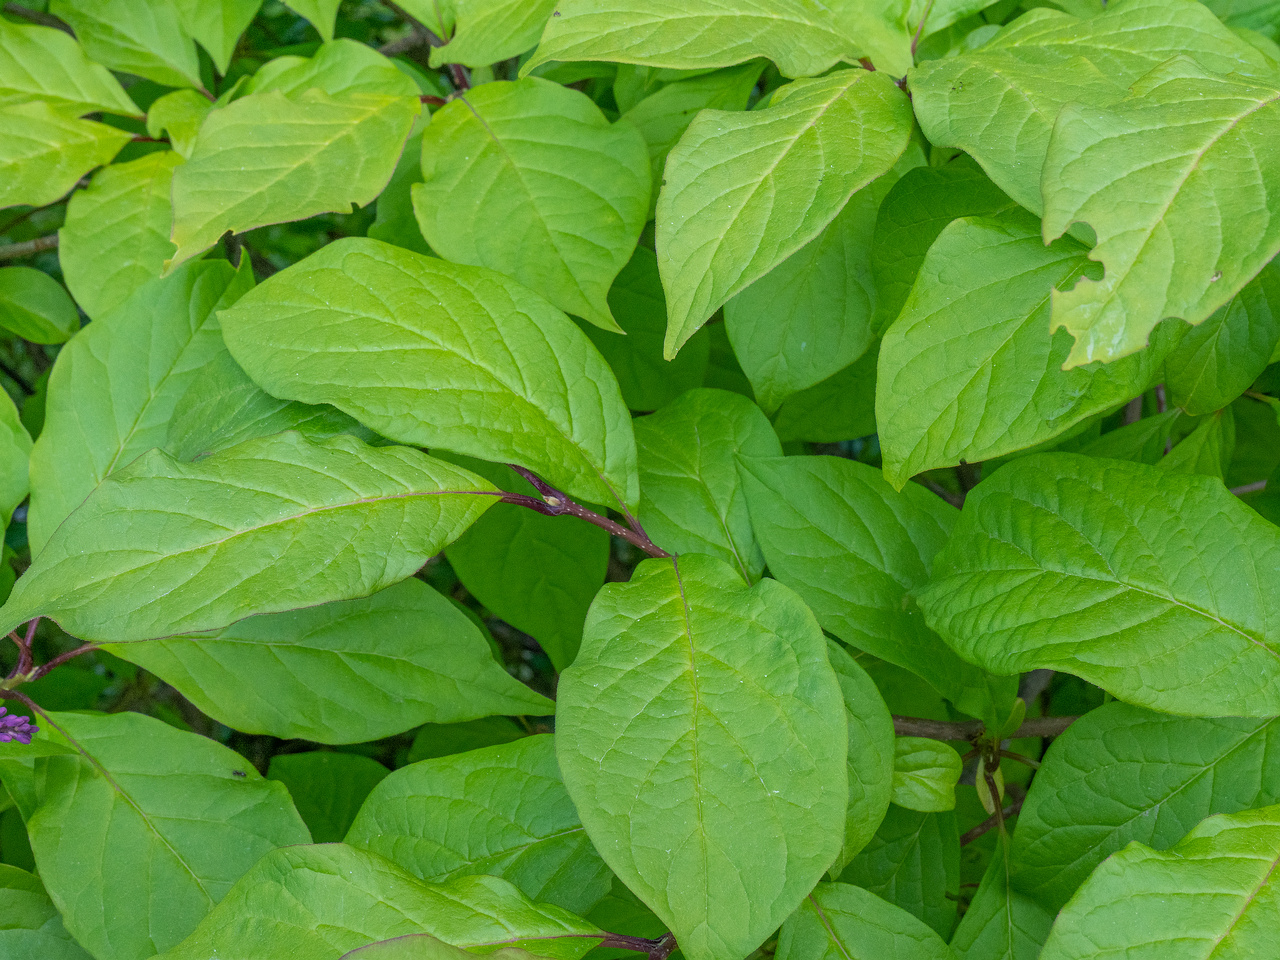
(1162,589)
(268,158)
(665,115)
(144,37)
(216,25)
(327,788)
(811,315)
(535,572)
(841,407)
(999,102)
(854,549)
(1206,450)
(319,902)
(744,191)
(1219,359)
(39,63)
(1212,896)
(1122,773)
(871,747)
(1186,213)
(967,372)
(44,152)
(925,773)
(378,666)
(438,354)
(686,679)
(913,862)
(115,385)
(502,810)
(142,832)
(691,498)
(803,37)
(1001,922)
(116,235)
(646,379)
(35,307)
(221,407)
(489,31)
(31,925)
(842,922)
(531,179)
(321,13)
(913,213)
(269,525)
(338,67)
(15,449)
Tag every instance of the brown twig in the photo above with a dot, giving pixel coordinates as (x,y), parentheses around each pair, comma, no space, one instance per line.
(1255,487)
(28,248)
(915,40)
(996,819)
(972,729)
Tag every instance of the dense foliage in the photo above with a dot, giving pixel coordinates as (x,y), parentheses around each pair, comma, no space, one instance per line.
(726,478)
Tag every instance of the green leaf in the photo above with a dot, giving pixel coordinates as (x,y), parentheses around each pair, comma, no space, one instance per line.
(1206,450)
(841,922)
(687,678)
(462,359)
(870,754)
(925,773)
(663,117)
(327,788)
(34,306)
(15,449)
(744,191)
(1182,138)
(31,926)
(179,114)
(811,315)
(381,665)
(998,103)
(966,371)
(1219,359)
(321,154)
(490,31)
(394,221)
(530,179)
(914,863)
(43,153)
(1213,895)
(321,13)
(1001,923)
(39,63)
(260,534)
(339,67)
(691,498)
(442,739)
(854,549)
(802,37)
(1143,441)
(1159,588)
(841,407)
(114,386)
(913,213)
(145,37)
(501,811)
(537,573)
(639,307)
(116,236)
(147,828)
(216,25)
(221,407)
(1121,774)
(320,902)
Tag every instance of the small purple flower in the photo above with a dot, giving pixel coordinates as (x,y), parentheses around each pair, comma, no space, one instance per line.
(15,728)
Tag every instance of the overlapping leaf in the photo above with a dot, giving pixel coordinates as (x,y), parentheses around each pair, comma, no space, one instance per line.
(744,191)
(327,787)
(39,63)
(1160,588)
(217,26)
(686,678)
(501,810)
(530,179)
(43,152)
(269,525)
(143,37)
(339,67)
(842,922)
(32,926)
(35,307)
(343,672)
(142,832)
(489,31)
(437,354)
